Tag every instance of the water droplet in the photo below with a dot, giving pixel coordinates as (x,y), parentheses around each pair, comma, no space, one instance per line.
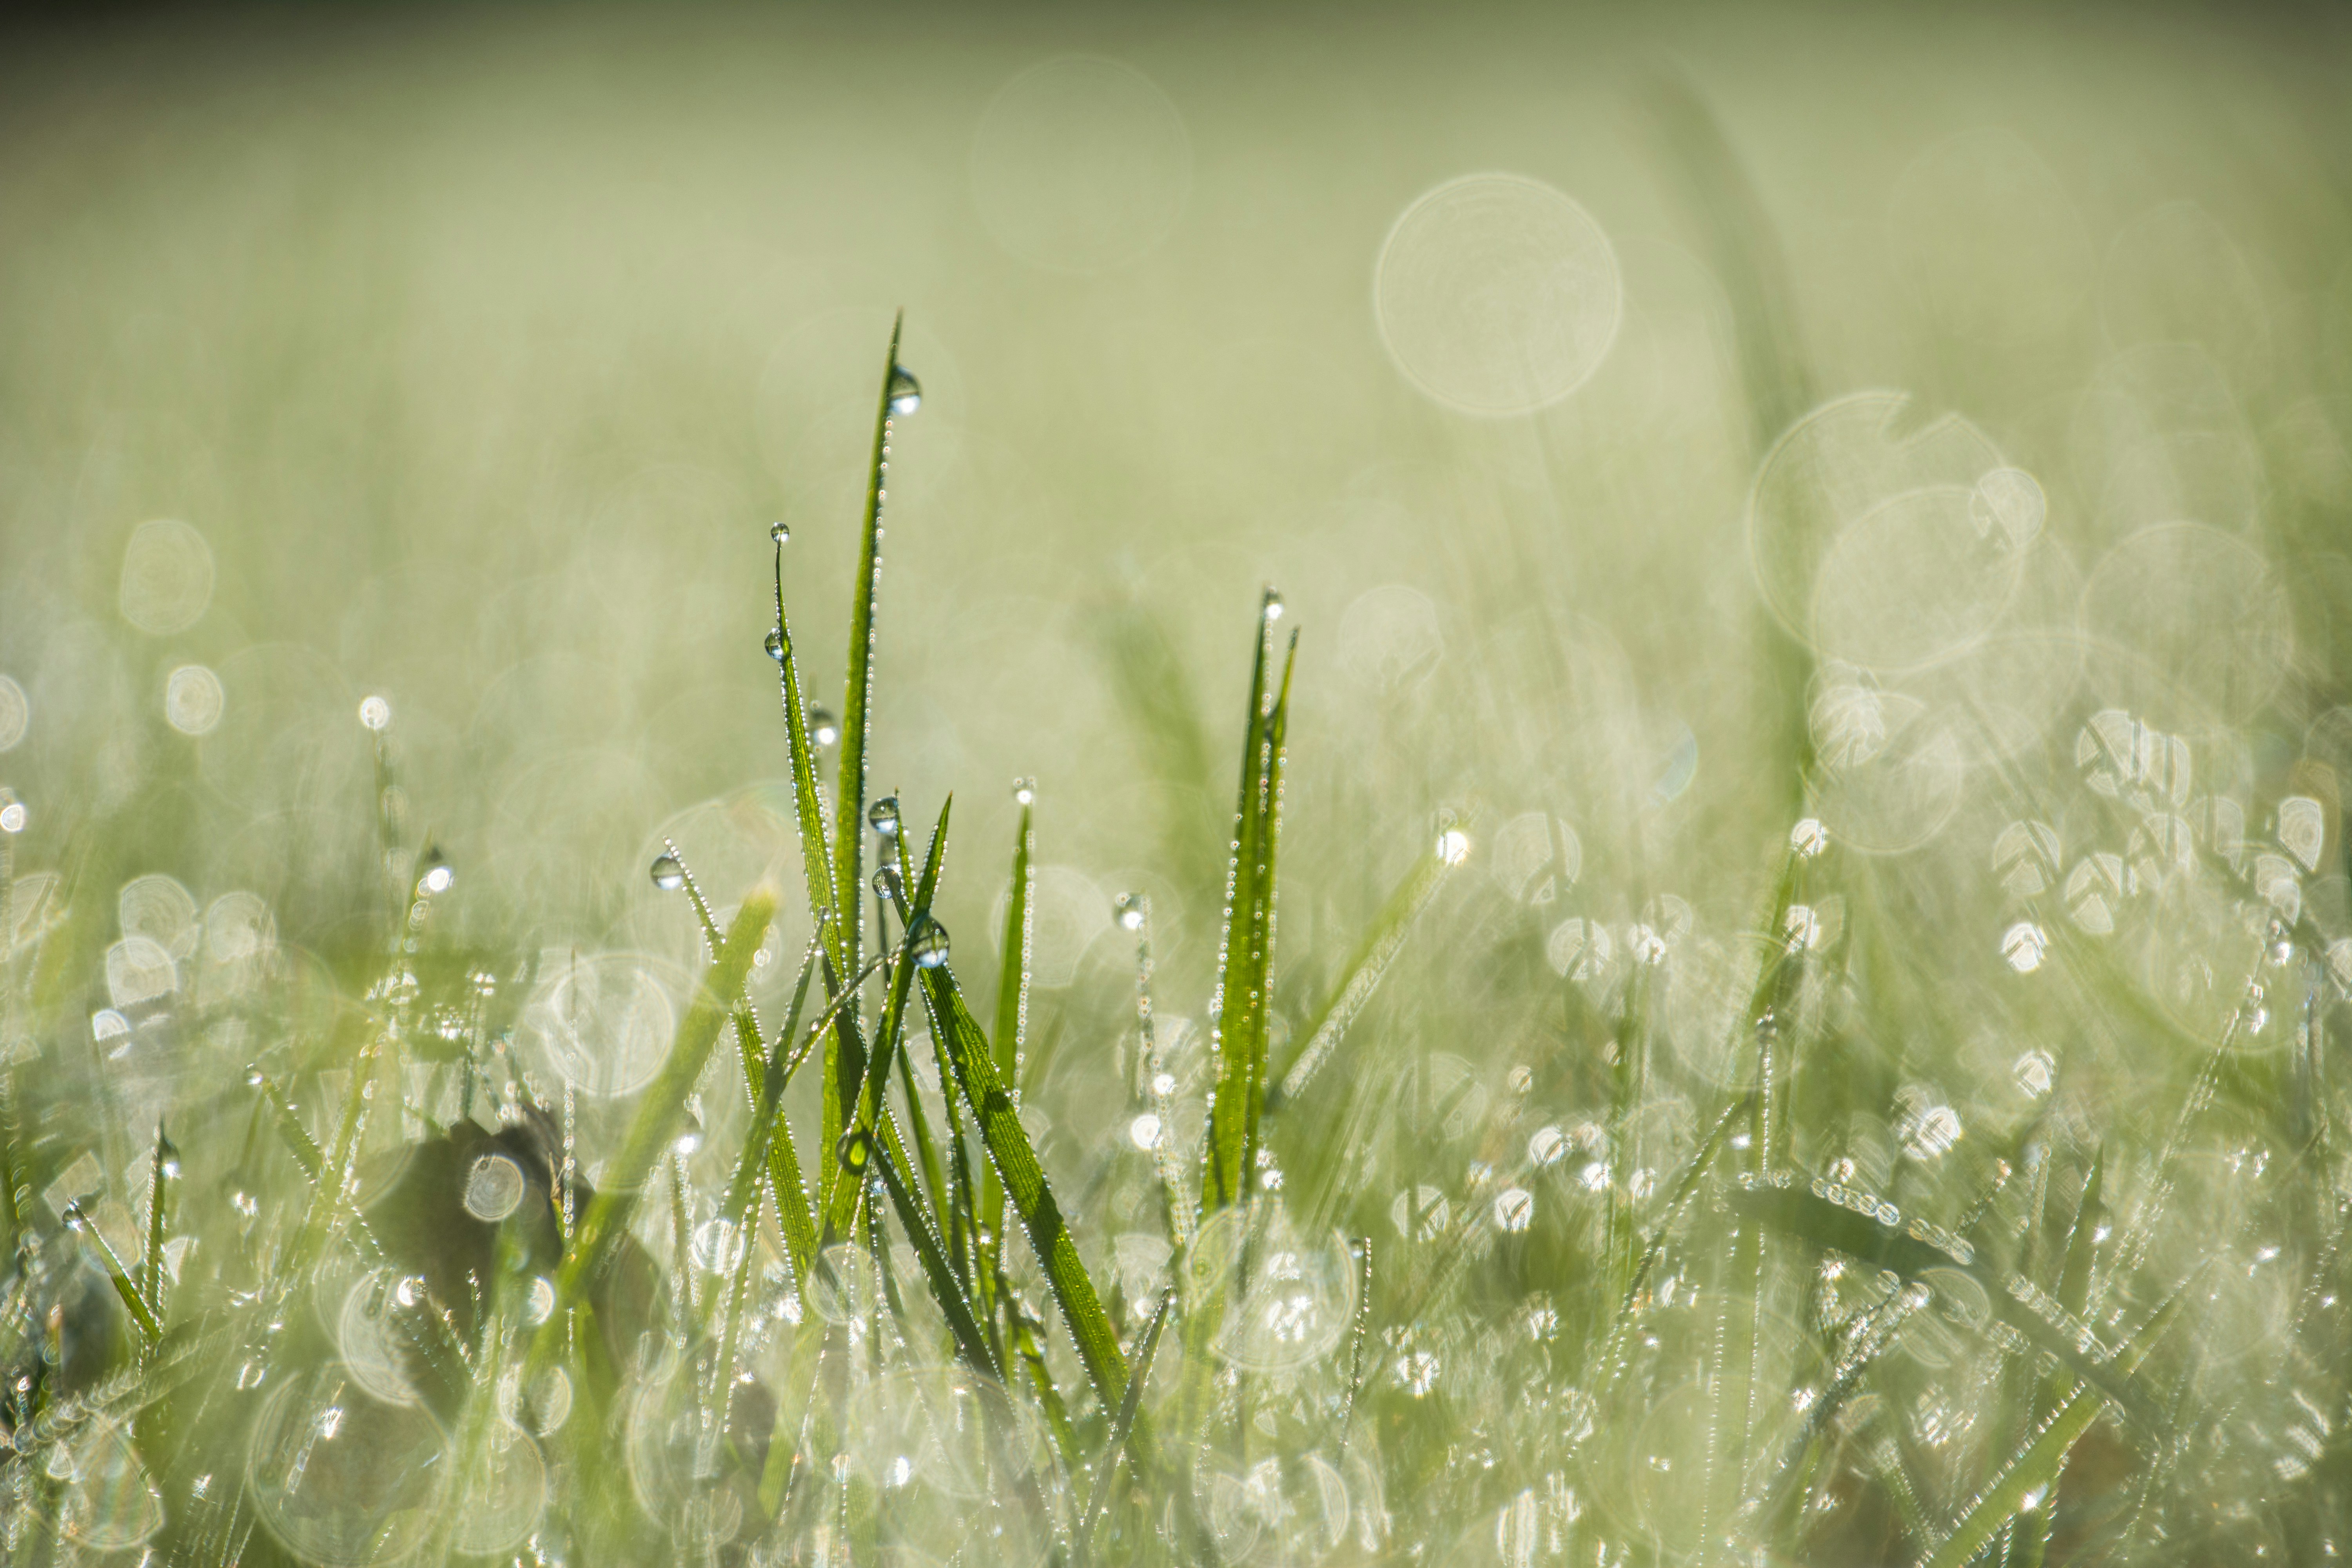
(1809,838)
(375,712)
(13,817)
(927,943)
(857,1146)
(1144,1132)
(1273,606)
(1453,846)
(1132,909)
(824,729)
(1024,791)
(1163,1084)
(437,873)
(906,391)
(885,882)
(538,1303)
(493,1188)
(883,816)
(167,1153)
(1515,1208)
(775,644)
(2023,944)
(780,533)
(669,875)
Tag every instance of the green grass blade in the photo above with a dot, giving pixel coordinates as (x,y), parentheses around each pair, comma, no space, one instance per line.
(1909,1252)
(164,1168)
(970,1343)
(817,863)
(1741,247)
(1099,1493)
(117,1273)
(1246,962)
(658,1113)
(1378,951)
(857,685)
(1016,1160)
(2035,1468)
(1012,1000)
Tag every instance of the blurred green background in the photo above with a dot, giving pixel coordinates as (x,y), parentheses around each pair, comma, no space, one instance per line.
(478,348)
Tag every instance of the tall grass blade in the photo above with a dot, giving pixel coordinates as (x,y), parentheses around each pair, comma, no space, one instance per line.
(857,684)
(1370,964)
(1011,999)
(1246,961)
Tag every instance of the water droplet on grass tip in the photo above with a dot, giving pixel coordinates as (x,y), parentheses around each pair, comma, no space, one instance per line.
(1453,846)
(375,712)
(669,875)
(1132,908)
(1144,1132)
(883,816)
(780,533)
(13,817)
(927,943)
(885,882)
(775,644)
(906,391)
(1024,791)
(2023,944)
(1809,838)
(824,729)
(167,1155)
(1273,606)
(436,875)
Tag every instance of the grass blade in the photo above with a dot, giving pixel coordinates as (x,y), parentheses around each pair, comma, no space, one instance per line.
(865,1149)
(1012,1000)
(1122,1425)
(857,684)
(1246,962)
(2036,1466)
(1378,950)
(1016,1160)
(665,1099)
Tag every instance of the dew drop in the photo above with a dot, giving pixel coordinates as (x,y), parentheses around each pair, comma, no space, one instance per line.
(1132,908)
(906,391)
(1144,1132)
(167,1155)
(775,644)
(2022,945)
(780,533)
(1809,839)
(927,943)
(1453,846)
(1025,792)
(1274,604)
(375,712)
(668,875)
(13,817)
(436,875)
(824,729)
(493,1188)
(883,816)
(885,882)
(1515,1208)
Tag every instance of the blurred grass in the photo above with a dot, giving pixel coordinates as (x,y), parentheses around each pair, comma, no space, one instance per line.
(476,357)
